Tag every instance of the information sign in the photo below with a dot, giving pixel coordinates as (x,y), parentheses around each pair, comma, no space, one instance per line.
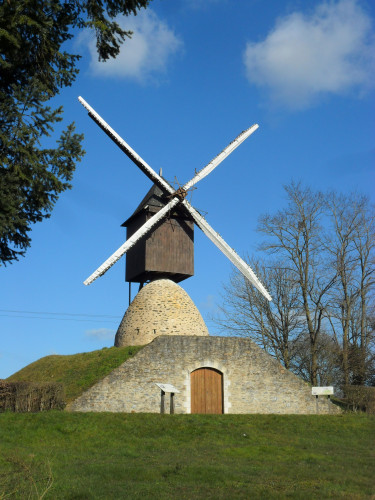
(168,388)
(322,391)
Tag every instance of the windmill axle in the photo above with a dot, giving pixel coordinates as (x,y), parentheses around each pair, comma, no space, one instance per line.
(180,193)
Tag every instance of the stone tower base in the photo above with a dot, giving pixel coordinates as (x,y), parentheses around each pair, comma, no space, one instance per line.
(160,308)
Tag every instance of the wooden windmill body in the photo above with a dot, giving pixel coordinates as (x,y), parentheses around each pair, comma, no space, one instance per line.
(168,251)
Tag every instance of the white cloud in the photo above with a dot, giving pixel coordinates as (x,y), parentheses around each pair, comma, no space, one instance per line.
(330,51)
(100,334)
(143,56)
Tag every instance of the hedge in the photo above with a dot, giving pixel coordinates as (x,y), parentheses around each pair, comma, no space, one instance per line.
(31,396)
(360,397)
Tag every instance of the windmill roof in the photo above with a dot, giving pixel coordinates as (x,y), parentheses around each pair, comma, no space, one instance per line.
(154,198)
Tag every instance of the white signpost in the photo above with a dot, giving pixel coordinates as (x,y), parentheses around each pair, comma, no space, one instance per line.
(167,388)
(322,391)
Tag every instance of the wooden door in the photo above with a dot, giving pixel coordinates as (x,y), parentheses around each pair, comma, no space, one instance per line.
(206,391)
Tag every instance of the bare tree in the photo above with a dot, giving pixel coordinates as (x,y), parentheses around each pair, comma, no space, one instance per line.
(320,323)
(351,244)
(328,356)
(275,325)
(365,250)
(295,235)
(345,217)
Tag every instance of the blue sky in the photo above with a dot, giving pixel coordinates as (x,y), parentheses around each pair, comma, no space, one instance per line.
(194,75)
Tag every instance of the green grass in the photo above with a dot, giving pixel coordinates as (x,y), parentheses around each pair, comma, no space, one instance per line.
(121,456)
(77,372)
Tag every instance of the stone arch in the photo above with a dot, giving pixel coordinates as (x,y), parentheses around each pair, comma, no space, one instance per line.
(207,364)
(206,391)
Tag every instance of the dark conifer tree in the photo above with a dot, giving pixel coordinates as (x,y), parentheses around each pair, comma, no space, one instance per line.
(33,69)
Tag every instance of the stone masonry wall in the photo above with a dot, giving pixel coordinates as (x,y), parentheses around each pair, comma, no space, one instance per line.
(253,381)
(160,308)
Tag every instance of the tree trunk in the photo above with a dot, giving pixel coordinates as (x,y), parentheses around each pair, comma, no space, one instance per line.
(314,364)
(345,347)
(363,341)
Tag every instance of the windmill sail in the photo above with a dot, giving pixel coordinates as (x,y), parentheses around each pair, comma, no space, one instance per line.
(176,198)
(221,156)
(124,146)
(236,260)
(142,231)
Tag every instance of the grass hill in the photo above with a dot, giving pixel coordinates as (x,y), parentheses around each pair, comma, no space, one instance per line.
(77,372)
(62,455)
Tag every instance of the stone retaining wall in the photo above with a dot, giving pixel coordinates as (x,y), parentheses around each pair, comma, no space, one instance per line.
(253,382)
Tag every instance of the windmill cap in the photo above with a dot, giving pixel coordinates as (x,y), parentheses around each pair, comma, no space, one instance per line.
(154,198)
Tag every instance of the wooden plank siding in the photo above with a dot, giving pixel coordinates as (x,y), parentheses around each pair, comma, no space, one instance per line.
(170,248)
(167,252)
(135,257)
(206,391)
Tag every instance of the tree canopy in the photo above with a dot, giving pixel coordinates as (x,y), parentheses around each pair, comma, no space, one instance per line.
(34,69)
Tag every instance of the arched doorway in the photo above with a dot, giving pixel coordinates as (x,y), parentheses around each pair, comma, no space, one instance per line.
(206,391)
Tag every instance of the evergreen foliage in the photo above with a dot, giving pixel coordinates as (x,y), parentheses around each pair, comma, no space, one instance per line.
(34,69)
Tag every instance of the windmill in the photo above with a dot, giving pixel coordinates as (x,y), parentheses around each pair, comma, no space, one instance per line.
(175,201)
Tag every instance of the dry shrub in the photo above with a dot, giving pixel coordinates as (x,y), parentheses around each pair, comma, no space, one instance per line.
(31,396)
(360,397)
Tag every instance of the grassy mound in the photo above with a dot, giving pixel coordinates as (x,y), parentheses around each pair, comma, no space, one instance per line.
(165,457)
(78,372)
